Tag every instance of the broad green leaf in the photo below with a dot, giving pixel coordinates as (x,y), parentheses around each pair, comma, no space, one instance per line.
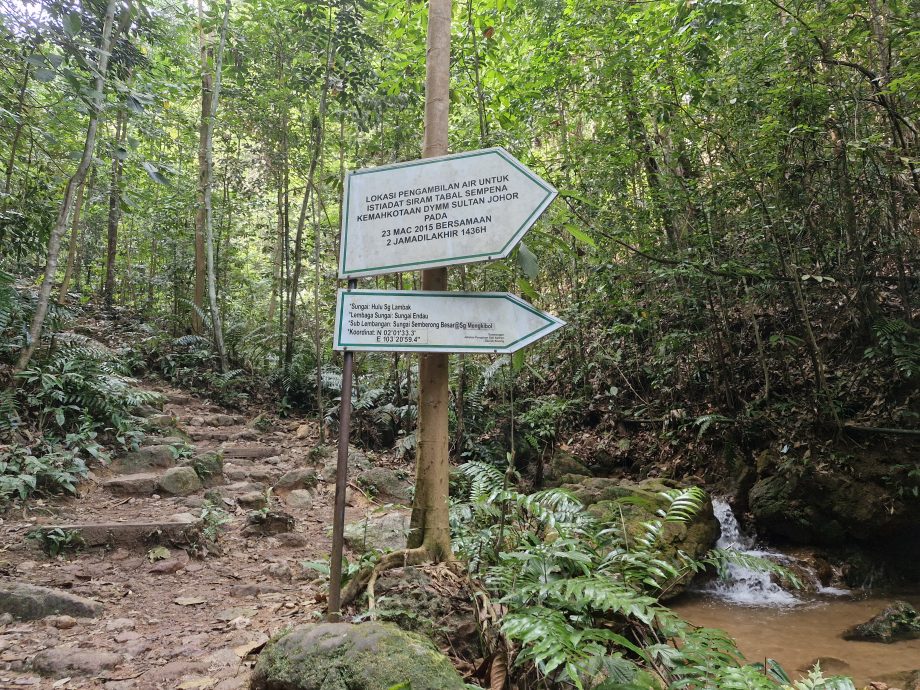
(580,234)
(72,23)
(527,261)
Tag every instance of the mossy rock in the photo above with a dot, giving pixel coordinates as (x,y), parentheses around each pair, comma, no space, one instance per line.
(343,656)
(208,466)
(626,506)
(897,622)
(565,467)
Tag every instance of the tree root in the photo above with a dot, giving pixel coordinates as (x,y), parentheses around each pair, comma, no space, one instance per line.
(367,578)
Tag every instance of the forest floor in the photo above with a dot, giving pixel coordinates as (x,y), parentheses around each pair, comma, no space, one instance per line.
(180,621)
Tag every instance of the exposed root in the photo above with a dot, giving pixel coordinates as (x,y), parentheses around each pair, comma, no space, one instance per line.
(397,559)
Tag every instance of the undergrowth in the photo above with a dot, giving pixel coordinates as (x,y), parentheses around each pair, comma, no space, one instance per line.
(580,605)
(68,408)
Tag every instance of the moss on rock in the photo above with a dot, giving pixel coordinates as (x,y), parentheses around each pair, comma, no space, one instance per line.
(342,656)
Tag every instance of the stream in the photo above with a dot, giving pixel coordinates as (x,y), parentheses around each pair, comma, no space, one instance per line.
(795,628)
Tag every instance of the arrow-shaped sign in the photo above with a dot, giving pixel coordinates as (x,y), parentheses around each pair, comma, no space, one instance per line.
(428,321)
(472,206)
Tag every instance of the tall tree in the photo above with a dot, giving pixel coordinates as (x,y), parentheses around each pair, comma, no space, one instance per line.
(429,528)
(204,220)
(74,183)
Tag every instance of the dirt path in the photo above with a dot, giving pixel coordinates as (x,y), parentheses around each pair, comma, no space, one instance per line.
(183,621)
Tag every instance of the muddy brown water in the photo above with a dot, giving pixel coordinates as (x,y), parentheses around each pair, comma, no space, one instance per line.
(798,636)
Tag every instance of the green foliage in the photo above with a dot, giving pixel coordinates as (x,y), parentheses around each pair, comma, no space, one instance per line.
(581,602)
(214,517)
(47,467)
(56,542)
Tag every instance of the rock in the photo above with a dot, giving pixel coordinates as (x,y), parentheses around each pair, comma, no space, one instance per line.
(219,420)
(253,499)
(622,503)
(433,601)
(357,462)
(118,624)
(279,571)
(245,435)
(819,505)
(304,431)
(291,540)
(31,602)
(141,484)
(180,481)
(208,466)
(61,622)
(300,478)
(161,422)
(299,499)
(266,524)
(384,532)
(235,473)
(364,656)
(249,451)
(385,484)
(913,681)
(182,528)
(897,622)
(67,661)
(254,590)
(262,473)
(147,458)
(564,465)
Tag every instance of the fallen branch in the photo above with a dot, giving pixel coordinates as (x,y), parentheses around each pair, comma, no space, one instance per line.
(881,430)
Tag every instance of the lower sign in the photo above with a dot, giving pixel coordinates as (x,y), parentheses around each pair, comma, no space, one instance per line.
(426,321)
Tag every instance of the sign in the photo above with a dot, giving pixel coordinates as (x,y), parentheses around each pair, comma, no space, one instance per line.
(473,206)
(429,321)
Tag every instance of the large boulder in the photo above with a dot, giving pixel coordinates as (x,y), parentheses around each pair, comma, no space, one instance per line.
(180,481)
(826,504)
(147,458)
(382,532)
(386,484)
(343,656)
(627,505)
(30,602)
(897,622)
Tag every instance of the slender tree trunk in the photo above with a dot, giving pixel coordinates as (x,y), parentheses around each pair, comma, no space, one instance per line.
(302,218)
(121,130)
(75,182)
(20,122)
(429,525)
(204,225)
(74,241)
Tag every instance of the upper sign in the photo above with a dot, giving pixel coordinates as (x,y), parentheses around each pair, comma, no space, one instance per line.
(472,206)
(429,321)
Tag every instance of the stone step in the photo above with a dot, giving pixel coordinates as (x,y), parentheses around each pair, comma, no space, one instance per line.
(141,484)
(159,456)
(249,451)
(205,434)
(179,529)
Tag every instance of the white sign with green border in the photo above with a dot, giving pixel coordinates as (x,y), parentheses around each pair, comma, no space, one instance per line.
(429,321)
(463,208)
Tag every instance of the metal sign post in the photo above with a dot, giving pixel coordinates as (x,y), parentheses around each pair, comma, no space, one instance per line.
(341,484)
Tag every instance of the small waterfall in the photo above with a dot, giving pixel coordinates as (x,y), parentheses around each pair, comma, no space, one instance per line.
(743,586)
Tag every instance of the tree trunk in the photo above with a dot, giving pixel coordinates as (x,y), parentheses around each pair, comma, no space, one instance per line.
(429,526)
(74,241)
(20,122)
(204,225)
(60,225)
(318,128)
(121,130)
